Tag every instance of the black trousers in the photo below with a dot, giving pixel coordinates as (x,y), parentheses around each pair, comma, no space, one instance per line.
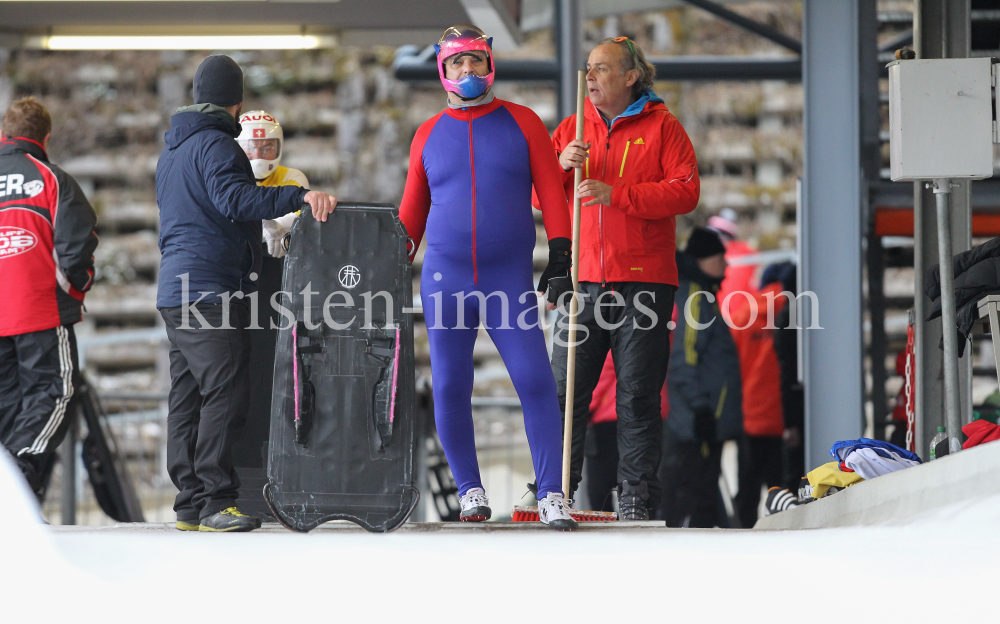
(640,349)
(761,463)
(209,399)
(691,476)
(601,452)
(38,374)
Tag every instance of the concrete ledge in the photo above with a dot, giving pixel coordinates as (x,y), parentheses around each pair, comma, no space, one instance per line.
(897,497)
(343,526)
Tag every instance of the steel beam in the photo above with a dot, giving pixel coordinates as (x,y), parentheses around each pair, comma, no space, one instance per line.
(696,68)
(940,30)
(831,225)
(748,24)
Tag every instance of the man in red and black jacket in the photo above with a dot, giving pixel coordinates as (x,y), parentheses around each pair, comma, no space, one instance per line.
(640,172)
(47,244)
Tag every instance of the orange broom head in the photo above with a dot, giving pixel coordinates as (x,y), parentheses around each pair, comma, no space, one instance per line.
(522,513)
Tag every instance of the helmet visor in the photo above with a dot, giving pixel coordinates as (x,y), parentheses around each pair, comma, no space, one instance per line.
(261,149)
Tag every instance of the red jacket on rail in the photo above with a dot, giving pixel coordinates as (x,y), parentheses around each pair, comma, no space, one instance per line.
(648,160)
(47,241)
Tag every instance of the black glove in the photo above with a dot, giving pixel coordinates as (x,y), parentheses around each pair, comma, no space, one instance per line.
(556,278)
(704,424)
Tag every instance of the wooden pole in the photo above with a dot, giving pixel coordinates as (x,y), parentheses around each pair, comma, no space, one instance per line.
(581,94)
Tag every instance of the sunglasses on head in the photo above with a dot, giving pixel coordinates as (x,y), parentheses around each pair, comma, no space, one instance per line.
(627,41)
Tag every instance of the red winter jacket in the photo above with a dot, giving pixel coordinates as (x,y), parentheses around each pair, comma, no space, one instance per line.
(762,410)
(738,277)
(47,241)
(648,159)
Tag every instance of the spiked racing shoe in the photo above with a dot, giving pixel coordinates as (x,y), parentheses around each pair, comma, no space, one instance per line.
(553,510)
(632,502)
(229,520)
(475,506)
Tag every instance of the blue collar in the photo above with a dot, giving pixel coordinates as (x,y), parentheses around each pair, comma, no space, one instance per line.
(635,108)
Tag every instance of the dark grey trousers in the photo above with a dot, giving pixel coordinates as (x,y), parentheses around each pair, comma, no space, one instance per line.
(209,399)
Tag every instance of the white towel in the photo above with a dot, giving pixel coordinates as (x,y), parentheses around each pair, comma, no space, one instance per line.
(869,464)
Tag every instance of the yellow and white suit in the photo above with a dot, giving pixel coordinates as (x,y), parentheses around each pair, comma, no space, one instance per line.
(276,229)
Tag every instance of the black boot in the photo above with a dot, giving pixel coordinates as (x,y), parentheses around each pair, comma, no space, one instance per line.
(632,501)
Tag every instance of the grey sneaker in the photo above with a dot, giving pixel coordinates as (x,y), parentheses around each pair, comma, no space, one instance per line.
(553,510)
(475,506)
(229,520)
(632,502)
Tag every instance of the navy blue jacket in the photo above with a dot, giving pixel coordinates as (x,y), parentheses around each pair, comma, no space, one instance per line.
(704,363)
(211,209)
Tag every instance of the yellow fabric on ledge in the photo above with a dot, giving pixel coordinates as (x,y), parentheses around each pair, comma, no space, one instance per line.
(830,475)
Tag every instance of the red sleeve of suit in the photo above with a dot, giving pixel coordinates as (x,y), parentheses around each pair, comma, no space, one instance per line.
(548,193)
(416,202)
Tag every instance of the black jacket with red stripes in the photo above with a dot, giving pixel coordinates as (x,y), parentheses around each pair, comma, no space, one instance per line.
(47,241)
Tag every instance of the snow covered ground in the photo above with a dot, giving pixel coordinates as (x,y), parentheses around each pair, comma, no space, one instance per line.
(943,565)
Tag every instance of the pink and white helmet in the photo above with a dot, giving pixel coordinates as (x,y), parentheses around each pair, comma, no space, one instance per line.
(459,39)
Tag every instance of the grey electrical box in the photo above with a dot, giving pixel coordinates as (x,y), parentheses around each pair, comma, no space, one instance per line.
(942,118)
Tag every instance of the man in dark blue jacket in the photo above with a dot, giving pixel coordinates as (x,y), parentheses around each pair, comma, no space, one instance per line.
(704,386)
(210,241)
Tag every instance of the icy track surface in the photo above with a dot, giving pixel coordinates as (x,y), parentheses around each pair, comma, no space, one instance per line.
(158,574)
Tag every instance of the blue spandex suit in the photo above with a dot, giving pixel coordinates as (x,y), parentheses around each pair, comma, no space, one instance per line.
(469,189)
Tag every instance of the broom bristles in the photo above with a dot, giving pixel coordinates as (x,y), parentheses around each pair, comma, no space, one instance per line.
(523,513)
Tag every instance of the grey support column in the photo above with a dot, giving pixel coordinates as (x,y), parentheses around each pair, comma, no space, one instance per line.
(569,39)
(871,165)
(940,30)
(831,225)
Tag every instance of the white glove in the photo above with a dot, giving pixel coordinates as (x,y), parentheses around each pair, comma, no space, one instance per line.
(287,221)
(276,238)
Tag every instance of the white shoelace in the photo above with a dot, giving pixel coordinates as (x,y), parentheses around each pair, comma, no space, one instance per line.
(475,499)
(557,504)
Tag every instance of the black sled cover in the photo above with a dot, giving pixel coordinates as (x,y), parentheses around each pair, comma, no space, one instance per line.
(342,432)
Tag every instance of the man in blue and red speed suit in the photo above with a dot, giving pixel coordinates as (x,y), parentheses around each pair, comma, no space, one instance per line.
(469,189)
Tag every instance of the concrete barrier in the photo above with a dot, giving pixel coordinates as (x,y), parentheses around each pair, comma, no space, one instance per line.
(896,497)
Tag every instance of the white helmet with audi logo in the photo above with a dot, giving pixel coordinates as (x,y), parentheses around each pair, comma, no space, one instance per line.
(261,139)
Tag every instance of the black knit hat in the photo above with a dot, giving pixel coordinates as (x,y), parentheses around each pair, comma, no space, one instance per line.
(219,81)
(704,243)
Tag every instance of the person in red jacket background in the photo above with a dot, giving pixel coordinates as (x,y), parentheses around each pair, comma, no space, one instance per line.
(640,173)
(47,244)
(761,451)
(739,277)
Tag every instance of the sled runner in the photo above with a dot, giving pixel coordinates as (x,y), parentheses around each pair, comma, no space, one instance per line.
(342,409)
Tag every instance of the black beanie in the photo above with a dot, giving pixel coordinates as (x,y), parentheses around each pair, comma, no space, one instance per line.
(704,243)
(219,81)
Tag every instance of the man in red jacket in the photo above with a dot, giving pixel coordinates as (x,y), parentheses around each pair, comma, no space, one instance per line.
(640,173)
(47,244)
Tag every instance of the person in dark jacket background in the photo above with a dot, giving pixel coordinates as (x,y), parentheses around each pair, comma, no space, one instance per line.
(47,244)
(704,386)
(210,242)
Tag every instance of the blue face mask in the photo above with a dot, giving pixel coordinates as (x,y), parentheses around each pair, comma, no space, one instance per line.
(472,86)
